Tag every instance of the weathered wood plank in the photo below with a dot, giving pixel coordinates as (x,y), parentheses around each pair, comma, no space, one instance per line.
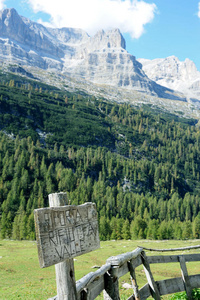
(194,281)
(123,258)
(92,276)
(123,269)
(82,295)
(136,262)
(65,275)
(94,283)
(172,258)
(170,286)
(144,292)
(65,232)
(134,281)
(165,287)
(152,285)
(65,280)
(185,277)
(132,297)
(162,259)
(172,249)
(173,285)
(111,291)
(96,287)
(92,290)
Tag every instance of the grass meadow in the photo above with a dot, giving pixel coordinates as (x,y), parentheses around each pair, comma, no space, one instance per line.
(22,278)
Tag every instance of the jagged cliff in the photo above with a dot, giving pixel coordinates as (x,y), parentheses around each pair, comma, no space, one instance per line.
(172,73)
(101,59)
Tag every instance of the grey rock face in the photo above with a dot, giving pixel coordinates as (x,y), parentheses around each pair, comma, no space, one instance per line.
(110,39)
(172,73)
(13,27)
(101,59)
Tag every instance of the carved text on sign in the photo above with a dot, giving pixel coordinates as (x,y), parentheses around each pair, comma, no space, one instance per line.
(65,232)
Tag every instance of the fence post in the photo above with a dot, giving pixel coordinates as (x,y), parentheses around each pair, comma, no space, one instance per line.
(65,275)
(134,281)
(185,277)
(111,291)
(152,285)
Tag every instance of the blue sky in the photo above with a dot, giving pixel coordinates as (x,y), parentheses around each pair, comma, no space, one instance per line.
(175,30)
(152,29)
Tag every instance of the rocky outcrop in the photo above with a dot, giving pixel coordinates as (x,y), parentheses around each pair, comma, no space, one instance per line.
(13,27)
(172,73)
(101,59)
(110,39)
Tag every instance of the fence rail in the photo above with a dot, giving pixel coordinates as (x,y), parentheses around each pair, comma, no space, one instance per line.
(65,231)
(106,278)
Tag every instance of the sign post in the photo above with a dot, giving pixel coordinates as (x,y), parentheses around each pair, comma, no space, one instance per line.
(64,232)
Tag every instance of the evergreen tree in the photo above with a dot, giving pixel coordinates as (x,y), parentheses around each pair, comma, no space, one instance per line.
(186,230)
(104,228)
(126,235)
(138,228)
(196,227)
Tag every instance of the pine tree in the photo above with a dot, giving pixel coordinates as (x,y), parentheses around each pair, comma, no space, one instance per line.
(16,231)
(126,235)
(186,230)
(196,227)
(104,228)
(31,227)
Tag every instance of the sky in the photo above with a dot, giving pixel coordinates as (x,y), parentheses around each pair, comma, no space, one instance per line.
(152,28)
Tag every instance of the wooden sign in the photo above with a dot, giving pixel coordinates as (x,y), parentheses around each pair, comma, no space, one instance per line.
(65,232)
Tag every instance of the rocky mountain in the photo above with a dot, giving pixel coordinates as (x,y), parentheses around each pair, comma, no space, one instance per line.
(101,59)
(174,74)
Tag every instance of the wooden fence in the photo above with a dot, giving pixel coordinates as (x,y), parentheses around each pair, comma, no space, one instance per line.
(66,231)
(106,278)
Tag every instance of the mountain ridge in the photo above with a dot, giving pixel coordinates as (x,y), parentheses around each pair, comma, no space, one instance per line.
(172,73)
(100,59)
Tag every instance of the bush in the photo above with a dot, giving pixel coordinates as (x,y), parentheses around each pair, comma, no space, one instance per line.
(183,296)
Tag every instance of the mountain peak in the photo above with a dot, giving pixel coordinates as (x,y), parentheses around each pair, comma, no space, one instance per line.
(10,22)
(13,27)
(101,59)
(172,73)
(111,38)
(8,13)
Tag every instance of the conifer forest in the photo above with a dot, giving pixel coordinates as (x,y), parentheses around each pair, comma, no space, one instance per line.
(140,165)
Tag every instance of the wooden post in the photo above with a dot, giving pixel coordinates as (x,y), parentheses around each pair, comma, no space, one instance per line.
(185,277)
(111,291)
(64,232)
(65,275)
(84,295)
(133,280)
(152,285)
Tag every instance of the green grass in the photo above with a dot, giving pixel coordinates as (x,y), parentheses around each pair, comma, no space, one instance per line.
(22,278)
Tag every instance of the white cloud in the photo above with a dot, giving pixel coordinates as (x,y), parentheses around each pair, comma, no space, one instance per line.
(199,10)
(2,4)
(91,15)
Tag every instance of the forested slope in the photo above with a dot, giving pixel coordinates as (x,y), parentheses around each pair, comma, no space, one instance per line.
(138,165)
